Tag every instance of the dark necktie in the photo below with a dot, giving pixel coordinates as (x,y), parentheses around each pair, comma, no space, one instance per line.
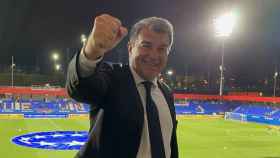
(156,141)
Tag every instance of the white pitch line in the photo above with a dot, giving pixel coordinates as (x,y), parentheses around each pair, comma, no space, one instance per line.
(54,124)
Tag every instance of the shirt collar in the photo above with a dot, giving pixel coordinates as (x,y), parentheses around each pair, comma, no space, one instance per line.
(138,80)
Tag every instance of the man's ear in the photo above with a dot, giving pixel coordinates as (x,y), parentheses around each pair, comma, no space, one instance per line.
(129,47)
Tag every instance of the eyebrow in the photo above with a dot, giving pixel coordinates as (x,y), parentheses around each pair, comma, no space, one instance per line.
(146,42)
(150,43)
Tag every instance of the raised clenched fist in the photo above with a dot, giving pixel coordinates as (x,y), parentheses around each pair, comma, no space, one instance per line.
(107,32)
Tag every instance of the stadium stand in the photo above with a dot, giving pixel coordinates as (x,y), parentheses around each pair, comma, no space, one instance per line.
(39,102)
(260,110)
(204,107)
(256,113)
(42,108)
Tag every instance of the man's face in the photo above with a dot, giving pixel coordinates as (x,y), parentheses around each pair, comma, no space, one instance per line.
(148,53)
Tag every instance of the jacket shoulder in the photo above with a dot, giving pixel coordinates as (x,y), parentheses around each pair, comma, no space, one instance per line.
(165,86)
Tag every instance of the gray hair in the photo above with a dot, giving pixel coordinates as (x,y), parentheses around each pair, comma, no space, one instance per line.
(155,24)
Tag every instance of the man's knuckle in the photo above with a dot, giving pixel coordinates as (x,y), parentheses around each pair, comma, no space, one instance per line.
(104,15)
(117,21)
(98,18)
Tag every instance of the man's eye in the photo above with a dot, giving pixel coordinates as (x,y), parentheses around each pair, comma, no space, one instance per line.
(146,46)
(163,49)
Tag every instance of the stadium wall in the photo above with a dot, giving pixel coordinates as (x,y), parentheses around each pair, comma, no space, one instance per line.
(62,92)
(252,118)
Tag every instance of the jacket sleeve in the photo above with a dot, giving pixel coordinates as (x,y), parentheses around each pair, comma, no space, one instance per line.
(91,89)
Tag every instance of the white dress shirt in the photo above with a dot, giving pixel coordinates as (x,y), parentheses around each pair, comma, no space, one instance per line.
(87,67)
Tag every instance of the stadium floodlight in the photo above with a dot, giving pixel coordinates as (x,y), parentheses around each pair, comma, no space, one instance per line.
(169,72)
(224,24)
(223,28)
(12,71)
(83,39)
(55,56)
(57,67)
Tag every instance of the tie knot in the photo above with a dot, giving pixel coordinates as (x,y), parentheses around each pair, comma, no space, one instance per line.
(147,85)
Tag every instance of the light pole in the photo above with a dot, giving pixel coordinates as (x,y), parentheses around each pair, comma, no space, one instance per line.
(12,71)
(223,28)
(222,69)
(275,83)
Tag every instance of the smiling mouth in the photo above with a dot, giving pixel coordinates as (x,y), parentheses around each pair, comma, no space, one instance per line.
(151,63)
(153,68)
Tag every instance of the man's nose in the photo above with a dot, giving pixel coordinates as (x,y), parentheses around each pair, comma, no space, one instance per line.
(154,53)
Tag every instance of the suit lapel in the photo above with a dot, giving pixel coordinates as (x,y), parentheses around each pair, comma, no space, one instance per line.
(130,97)
(134,92)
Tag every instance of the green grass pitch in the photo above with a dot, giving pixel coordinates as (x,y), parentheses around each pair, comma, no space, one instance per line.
(197,138)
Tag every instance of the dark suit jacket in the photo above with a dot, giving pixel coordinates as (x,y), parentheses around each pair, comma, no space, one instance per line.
(113,89)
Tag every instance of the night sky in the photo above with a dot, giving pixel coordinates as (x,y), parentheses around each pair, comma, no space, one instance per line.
(31,29)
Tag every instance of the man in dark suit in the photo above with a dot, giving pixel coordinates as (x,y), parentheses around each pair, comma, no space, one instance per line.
(139,118)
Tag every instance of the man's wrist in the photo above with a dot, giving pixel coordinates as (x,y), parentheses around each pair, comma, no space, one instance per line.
(92,56)
(87,66)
